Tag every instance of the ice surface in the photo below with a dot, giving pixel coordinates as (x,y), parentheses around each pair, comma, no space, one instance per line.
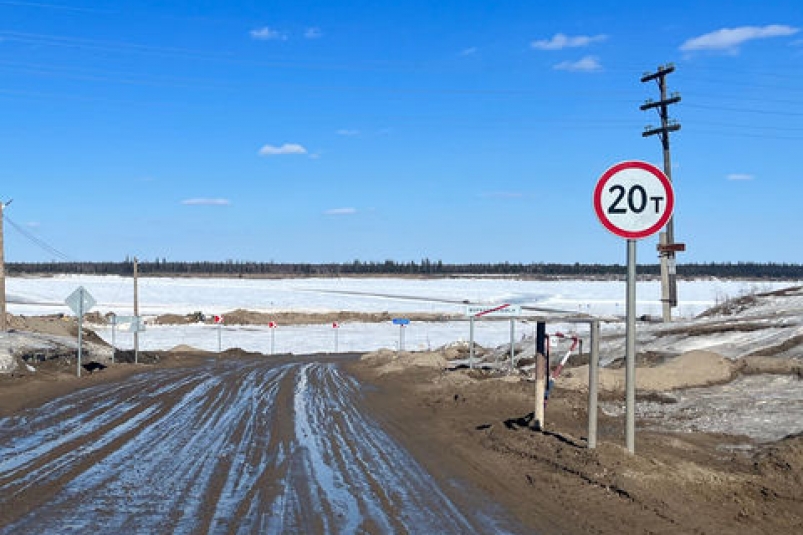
(397,296)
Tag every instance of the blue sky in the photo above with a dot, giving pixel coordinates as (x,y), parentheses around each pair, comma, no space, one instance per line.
(465,131)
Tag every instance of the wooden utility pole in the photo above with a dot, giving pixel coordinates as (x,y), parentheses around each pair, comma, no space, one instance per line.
(3,324)
(666,246)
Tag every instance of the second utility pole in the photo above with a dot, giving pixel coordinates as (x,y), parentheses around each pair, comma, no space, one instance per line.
(666,246)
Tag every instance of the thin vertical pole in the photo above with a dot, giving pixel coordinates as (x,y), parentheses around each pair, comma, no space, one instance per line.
(593,385)
(136,312)
(512,343)
(630,354)
(540,390)
(272,340)
(219,344)
(80,329)
(401,337)
(114,333)
(471,343)
(336,329)
(3,321)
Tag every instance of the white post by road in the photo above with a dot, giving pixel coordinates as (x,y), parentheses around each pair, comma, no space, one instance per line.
(471,343)
(630,352)
(401,337)
(114,333)
(512,343)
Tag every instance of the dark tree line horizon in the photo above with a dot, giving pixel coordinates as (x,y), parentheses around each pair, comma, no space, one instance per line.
(424,267)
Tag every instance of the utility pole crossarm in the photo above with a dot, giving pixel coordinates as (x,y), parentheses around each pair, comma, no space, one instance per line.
(674,99)
(650,131)
(662,71)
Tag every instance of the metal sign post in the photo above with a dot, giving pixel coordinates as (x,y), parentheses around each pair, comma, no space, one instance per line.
(504,310)
(402,323)
(80,302)
(630,350)
(633,200)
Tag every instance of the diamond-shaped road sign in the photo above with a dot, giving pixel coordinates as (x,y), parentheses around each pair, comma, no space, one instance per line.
(80,301)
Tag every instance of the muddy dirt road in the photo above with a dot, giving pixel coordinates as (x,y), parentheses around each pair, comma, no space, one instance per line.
(252,445)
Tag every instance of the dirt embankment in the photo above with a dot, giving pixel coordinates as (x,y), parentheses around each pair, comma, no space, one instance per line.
(477,427)
(250,317)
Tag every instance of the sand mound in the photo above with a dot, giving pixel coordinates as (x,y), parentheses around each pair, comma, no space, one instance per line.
(691,369)
(184,348)
(388,361)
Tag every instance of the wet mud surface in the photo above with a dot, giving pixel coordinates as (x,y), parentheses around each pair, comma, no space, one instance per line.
(251,445)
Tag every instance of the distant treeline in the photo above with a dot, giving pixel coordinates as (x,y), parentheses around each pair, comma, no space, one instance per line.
(425,267)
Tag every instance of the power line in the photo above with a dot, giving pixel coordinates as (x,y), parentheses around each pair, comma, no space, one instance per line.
(38,241)
(743,110)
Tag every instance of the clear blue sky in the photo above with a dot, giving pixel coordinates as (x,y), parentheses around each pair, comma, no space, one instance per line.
(320,131)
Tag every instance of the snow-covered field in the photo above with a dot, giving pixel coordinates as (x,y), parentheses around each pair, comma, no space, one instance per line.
(769,325)
(45,295)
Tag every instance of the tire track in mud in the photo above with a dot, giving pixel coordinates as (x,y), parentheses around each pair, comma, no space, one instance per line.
(241,446)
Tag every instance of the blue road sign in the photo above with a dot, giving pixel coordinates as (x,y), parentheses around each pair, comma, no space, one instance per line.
(401,321)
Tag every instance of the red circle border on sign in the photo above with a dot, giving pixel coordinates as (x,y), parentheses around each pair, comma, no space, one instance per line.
(644,166)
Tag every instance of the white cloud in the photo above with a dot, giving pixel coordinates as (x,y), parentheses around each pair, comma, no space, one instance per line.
(560,41)
(348,132)
(740,176)
(313,33)
(287,148)
(586,64)
(268,34)
(729,39)
(206,202)
(470,51)
(341,211)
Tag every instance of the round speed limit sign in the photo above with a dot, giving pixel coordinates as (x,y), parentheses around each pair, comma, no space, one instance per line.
(634,199)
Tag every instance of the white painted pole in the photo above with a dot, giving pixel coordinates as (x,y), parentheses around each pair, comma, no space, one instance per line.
(401,337)
(114,336)
(272,340)
(512,343)
(336,329)
(630,353)
(471,343)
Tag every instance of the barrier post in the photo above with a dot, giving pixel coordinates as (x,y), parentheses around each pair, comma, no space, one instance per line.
(593,385)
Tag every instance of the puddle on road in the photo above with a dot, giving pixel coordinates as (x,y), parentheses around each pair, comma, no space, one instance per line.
(765,408)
